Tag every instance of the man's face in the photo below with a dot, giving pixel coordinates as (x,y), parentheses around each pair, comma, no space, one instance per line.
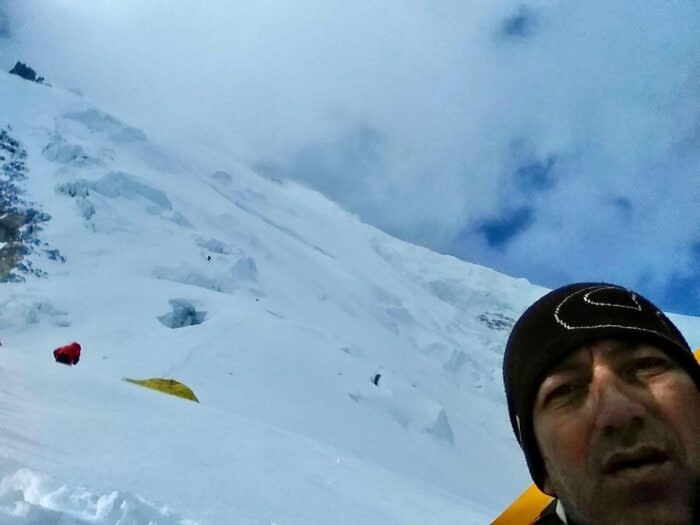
(618,425)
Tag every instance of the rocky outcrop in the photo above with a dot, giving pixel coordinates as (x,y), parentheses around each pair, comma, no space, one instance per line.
(20,221)
(11,251)
(496,321)
(24,71)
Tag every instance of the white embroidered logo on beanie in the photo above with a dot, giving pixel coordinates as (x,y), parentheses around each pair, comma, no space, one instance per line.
(585,301)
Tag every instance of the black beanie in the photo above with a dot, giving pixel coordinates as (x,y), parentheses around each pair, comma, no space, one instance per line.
(564,320)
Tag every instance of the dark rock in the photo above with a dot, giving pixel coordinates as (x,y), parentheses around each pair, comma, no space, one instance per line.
(55,255)
(23,70)
(496,321)
(76,188)
(7,143)
(20,221)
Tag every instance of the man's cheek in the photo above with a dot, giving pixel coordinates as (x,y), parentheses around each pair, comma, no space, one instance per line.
(692,444)
(681,417)
(572,448)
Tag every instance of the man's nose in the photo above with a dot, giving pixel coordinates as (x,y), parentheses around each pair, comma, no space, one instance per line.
(615,405)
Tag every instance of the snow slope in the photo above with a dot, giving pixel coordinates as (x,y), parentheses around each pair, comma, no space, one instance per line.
(277,308)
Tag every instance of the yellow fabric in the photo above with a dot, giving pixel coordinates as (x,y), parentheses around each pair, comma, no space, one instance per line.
(527,507)
(167,386)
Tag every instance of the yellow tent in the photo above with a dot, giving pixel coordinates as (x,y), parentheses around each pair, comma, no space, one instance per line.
(526,509)
(167,386)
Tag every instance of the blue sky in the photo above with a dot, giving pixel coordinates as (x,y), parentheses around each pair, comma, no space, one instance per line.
(553,140)
(680,293)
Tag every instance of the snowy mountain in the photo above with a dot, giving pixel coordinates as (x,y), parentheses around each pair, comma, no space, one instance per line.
(343,376)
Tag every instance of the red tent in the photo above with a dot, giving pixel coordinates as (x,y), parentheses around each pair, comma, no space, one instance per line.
(68,355)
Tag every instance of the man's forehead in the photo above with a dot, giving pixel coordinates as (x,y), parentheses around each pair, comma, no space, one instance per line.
(610,348)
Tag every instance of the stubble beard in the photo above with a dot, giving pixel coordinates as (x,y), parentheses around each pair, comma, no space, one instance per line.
(598,506)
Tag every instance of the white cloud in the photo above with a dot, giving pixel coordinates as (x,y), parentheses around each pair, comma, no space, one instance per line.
(608,88)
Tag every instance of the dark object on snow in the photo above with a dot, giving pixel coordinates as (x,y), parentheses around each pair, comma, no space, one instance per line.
(496,321)
(68,355)
(23,70)
(208,257)
(376,378)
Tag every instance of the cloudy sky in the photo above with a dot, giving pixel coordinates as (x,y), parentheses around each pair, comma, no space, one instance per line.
(548,139)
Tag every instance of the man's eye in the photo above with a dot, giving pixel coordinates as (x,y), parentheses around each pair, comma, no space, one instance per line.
(563,393)
(649,365)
